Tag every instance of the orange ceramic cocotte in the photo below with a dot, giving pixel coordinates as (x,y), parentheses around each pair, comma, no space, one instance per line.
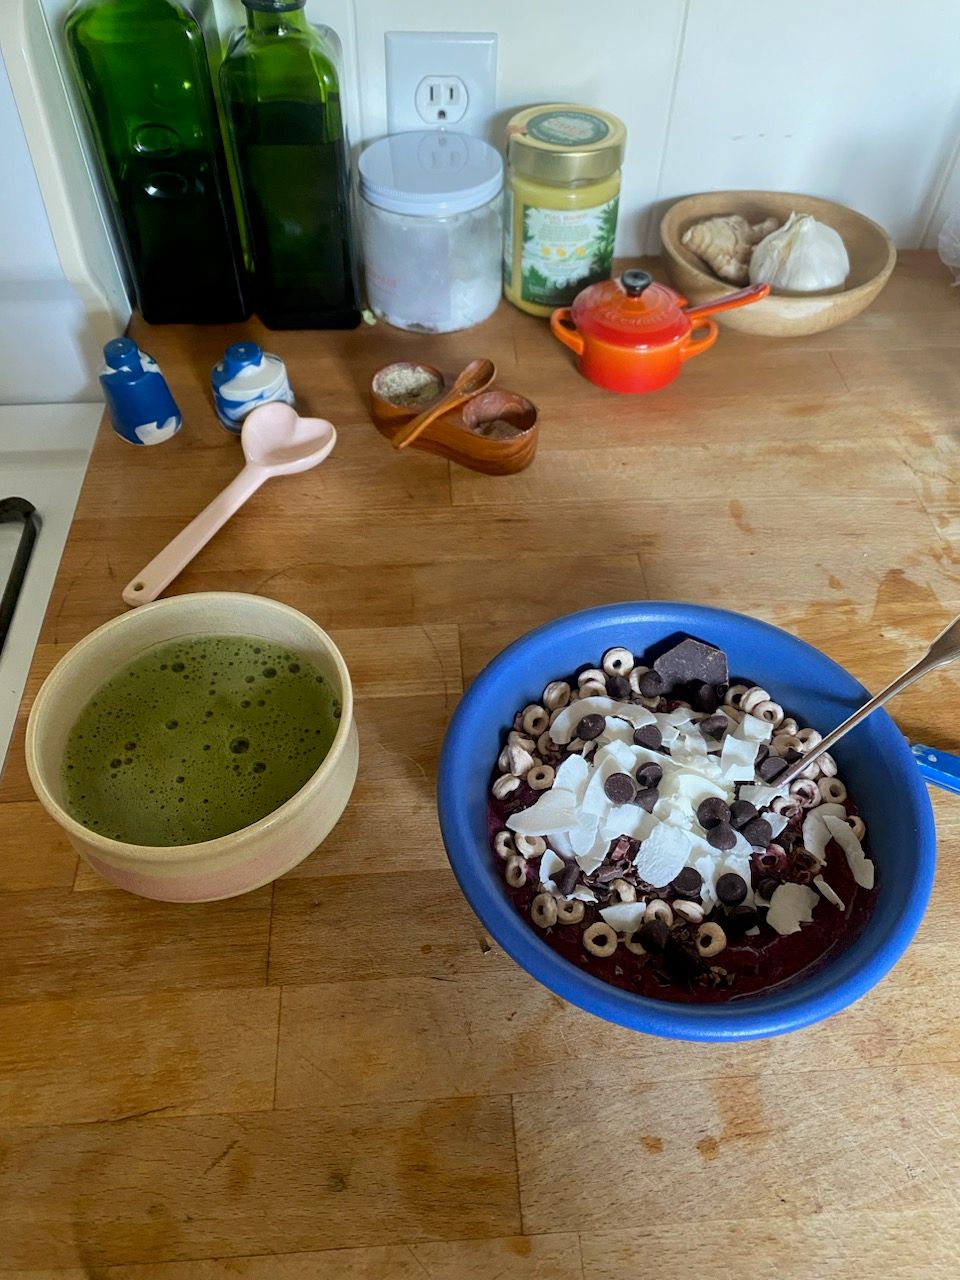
(634,335)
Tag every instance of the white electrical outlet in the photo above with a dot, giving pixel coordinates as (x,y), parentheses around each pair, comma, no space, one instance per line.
(440,79)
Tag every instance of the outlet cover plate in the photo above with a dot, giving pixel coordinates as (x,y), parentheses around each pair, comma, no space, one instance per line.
(413,57)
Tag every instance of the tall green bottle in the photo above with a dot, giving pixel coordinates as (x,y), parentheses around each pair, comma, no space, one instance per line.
(145,82)
(281,96)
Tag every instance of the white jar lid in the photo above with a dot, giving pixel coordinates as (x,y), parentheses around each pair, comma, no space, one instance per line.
(430,172)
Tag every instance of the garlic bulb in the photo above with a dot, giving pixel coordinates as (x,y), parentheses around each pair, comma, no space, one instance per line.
(804,256)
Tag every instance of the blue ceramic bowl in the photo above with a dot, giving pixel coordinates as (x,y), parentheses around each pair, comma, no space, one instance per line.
(874,760)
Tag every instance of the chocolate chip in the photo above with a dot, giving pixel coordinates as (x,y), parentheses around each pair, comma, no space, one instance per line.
(714,727)
(591,727)
(739,920)
(688,883)
(792,755)
(704,698)
(762,752)
(618,687)
(722,837)
(647,797)
(731,889)
(768,887)
(648,735)
(654,934)
(620,788)
(758,831)
(649,774)
(771,768)
(692,660)
(712,811)
(651,684)
(742,811)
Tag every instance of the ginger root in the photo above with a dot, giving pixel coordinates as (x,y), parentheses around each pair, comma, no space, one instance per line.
(726,242)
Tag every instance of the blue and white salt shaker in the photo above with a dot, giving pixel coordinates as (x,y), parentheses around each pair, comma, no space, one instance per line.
(141,407)
(246,377)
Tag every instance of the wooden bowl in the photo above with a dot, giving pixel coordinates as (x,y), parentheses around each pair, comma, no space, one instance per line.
(457,435)
(781,315)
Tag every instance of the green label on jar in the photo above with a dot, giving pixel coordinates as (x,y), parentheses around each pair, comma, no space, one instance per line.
(567,128)
(564,250)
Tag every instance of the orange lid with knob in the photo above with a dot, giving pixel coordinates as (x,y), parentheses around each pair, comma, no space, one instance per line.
(633,311)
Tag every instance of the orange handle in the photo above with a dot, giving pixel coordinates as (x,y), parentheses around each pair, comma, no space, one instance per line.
(563,328)
(694,347)
(742,297)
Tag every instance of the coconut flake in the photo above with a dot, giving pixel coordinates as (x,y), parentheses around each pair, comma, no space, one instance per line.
(777,821)
(753,729)
(860,865)
(791,906)
(564,726)
(572,775)
(830,894)
(761,795)
(663,854)
(555,810)
(738,759)
(815,835)
(625,917)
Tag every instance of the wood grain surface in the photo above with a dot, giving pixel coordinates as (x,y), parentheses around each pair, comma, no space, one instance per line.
(271,1089)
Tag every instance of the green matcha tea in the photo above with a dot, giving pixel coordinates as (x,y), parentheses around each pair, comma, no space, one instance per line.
(196,738)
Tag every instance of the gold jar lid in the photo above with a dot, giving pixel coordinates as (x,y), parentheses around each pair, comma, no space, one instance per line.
(562,142)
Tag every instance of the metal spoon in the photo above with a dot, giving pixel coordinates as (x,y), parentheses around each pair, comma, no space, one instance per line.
(944,650)
(472,379)
(276,442)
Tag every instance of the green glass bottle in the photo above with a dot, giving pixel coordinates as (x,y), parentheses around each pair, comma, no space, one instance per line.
(144,78)
(281,97)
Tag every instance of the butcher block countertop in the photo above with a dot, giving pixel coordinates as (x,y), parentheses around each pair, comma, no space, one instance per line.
(340,1076)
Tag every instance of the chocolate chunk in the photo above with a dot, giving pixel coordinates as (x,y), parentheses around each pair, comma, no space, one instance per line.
(620,788)
(739,920)
(714,727)
(649,774)
(591,727)
(621,849)
(688,883)
(654,934)
(648,735)
(762,752)
(722,837)
(771,768)
(651,684)
(566,880)
(618,687)
(731,889)
(692,660)
(712,811)
(704,698)
(768,887)
(758,831)
(792,755)
(681,963)
(742,811)
(647,797)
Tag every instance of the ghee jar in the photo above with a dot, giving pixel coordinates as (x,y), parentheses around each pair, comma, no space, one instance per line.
(561,201)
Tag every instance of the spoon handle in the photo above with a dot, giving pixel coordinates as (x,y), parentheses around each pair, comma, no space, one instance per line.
(944,650)
(178,553)
(408,433)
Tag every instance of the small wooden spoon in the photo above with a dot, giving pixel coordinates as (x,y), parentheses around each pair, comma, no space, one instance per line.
(474,378)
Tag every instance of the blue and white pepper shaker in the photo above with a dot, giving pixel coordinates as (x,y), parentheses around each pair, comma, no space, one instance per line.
(142,410)
(247,376)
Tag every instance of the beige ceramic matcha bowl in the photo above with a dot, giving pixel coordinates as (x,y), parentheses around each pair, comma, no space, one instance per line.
(231,864)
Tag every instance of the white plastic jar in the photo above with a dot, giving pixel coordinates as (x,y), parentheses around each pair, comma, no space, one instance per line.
(431,229)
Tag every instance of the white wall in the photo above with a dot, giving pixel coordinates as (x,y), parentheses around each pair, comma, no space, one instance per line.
(856,101)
